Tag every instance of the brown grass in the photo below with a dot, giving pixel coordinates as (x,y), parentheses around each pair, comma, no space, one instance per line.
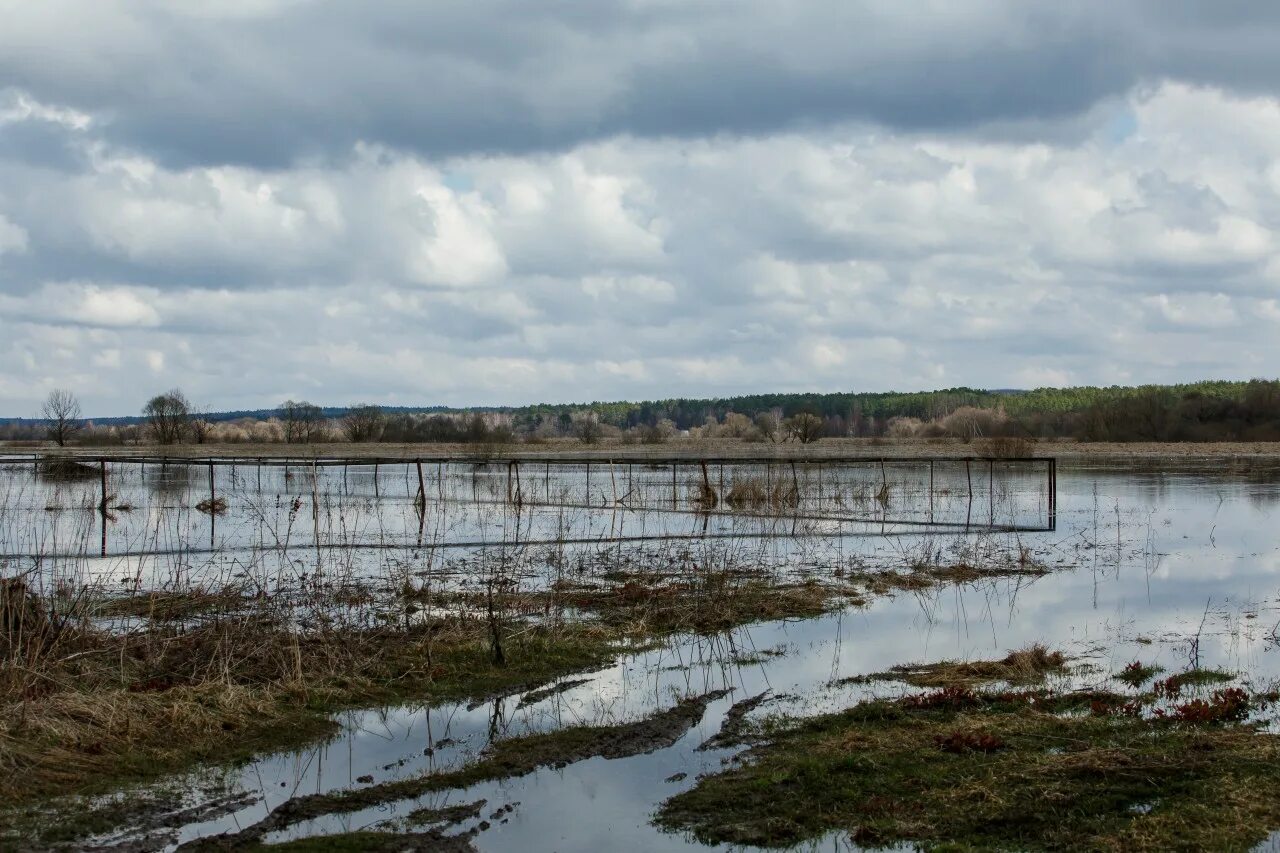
(212,506)
(753,493)
(1023,666)
(94,709)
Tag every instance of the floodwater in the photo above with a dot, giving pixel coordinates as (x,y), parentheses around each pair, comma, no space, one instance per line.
(1177,569)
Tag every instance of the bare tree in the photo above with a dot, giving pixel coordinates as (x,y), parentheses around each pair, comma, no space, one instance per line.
(61,410)
(806,427)
(167,415)
(363,423)
(200,425)
(302,422)
(589,429)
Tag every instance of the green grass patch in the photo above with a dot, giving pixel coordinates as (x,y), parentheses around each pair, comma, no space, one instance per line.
(956,769)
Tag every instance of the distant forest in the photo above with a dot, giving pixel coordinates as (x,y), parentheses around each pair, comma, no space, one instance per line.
(1200,411)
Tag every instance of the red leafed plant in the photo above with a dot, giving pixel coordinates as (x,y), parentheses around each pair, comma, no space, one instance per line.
(962,742)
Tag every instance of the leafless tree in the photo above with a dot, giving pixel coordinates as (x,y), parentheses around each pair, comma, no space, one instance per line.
(62,412)
(167,415)
(363,423)
(806,427)
(589,429)
(303,422)
(200,425)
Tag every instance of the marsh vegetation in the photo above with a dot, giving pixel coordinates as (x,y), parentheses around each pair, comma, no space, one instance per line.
(359,654)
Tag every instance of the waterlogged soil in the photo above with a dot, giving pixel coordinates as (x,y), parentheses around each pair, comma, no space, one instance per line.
(505,760)
(1001,770)
(1157,588)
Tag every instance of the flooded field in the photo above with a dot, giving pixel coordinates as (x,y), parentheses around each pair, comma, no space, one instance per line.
(731,596)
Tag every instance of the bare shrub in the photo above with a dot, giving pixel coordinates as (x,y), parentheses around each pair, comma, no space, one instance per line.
(970,422)
(199,425)
(589,429)
(904,427)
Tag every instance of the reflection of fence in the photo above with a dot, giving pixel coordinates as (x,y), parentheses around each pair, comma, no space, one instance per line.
(939,492)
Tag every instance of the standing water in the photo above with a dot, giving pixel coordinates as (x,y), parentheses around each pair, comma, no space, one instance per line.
(1109,566)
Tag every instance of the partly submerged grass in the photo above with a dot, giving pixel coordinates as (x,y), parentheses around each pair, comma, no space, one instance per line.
(374,842)
(166,605)
(1023,666)
(88,737)
(706,603)
(504,759)
(1138,673)
(1196,677)
(961,770)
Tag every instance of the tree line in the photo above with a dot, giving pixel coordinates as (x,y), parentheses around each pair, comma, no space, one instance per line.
(1202,411)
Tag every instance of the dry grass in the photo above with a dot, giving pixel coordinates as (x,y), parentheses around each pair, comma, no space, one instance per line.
(212,506)
(650,606)
(1024,666)
(755,494)
(166,605)
(925,576)
(59,469)
(1005,447)
(93,709)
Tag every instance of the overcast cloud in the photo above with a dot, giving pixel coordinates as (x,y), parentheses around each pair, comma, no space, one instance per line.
(496,201)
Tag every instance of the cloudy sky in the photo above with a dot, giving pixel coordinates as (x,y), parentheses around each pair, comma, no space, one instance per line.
(499,201)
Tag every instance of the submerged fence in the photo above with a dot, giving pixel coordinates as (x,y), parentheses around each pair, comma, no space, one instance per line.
(940,493)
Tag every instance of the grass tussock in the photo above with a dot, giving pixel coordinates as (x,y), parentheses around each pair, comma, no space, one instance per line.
(1029,770)
(1137,673)
(58,470)
(701,603)
(925,576)
(753,493)
(1172,687)
(212,506)
(1029,665)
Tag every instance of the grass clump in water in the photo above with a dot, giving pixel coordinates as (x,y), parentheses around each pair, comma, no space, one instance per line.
(58,470)
(1029,770)
(1138,673)
(1172,687)
(1022,666)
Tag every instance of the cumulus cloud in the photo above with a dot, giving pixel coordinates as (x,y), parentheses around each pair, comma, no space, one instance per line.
(499,202)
